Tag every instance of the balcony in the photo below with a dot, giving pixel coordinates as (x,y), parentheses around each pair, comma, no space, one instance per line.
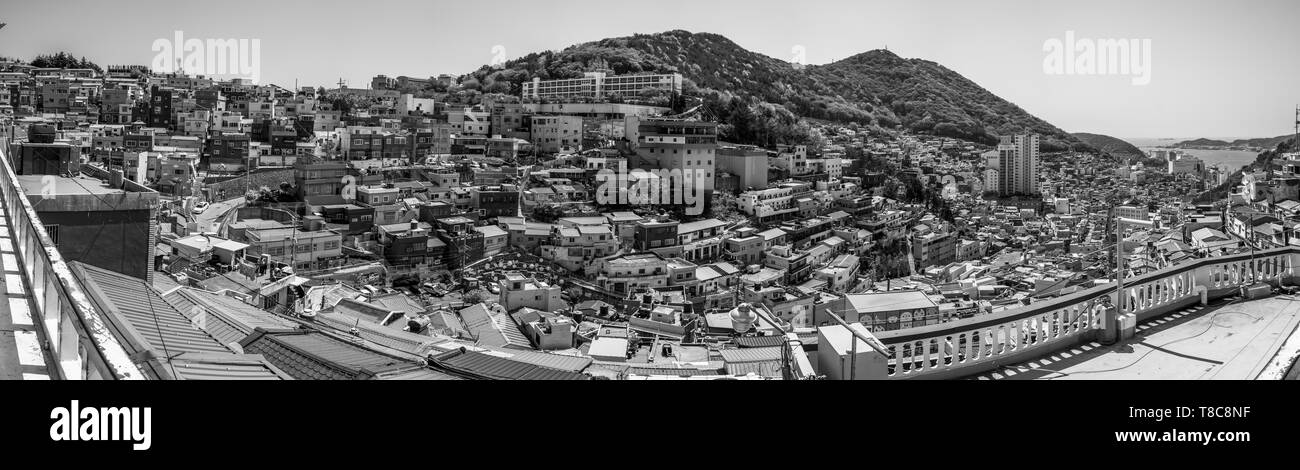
(1189,325)
(48,329)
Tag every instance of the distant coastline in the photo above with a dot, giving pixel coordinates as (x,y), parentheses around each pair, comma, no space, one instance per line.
(1201,143)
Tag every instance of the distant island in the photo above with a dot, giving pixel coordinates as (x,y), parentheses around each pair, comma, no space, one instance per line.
(1109,145)
(1239,144)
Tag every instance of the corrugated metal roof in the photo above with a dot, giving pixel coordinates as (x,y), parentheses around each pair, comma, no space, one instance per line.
(889,301)
(550,360)
(750,354)
(764,369)
(760,341)
(384,336)
(226,367)
(314,355)
(338,351)
(228,319)
(510,329)
(484,325)
(479,365)
(177,300)
(676,372)
(143,310)
(414,373)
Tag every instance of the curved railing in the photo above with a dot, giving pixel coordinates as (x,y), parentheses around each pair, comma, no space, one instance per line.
(983,343)
(77,335)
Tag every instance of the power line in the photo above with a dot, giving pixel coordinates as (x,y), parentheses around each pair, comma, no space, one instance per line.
(161,338)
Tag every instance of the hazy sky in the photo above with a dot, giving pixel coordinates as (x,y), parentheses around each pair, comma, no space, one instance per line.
(1219,69)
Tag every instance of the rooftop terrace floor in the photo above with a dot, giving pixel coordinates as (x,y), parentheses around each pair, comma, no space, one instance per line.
(1230,339)
(21,354)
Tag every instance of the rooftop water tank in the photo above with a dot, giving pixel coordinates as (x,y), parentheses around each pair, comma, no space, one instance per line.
(742,318)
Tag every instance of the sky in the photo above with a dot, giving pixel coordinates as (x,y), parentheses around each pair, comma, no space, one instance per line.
(1220,69)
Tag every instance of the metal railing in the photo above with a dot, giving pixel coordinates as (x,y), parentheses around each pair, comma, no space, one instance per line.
(982,343)
(76,335)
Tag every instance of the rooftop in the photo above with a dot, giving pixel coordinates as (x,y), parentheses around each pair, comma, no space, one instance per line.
(314,355)
(205,243)
(889,301)
(37,185)
(1226,340)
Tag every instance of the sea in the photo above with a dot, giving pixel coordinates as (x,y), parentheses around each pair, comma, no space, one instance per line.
(1230,160)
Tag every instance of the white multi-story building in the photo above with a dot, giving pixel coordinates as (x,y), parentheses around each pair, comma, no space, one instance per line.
(773,202)
(598,85)
(1186,164)
(1133,212)
(1018,165)
(674,144)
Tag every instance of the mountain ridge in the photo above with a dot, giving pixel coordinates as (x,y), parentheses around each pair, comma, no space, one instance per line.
(760,99)
(1259,142)
(1110,145)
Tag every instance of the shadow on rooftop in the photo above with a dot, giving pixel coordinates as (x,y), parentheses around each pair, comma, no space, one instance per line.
(1053,365)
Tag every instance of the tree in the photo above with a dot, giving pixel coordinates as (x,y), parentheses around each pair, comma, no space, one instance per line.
(64,60)
(548,213)
(472,298)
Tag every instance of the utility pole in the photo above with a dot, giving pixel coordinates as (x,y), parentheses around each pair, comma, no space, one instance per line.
(1119,255)
(1250,231)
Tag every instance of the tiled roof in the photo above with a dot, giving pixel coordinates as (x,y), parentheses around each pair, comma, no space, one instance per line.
(473,364)
(314,355)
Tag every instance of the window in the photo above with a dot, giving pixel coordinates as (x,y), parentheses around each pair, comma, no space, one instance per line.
(53,230)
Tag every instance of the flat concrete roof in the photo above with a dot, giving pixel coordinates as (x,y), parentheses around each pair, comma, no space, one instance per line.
(1232,340)
(33,184)
(890,301)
